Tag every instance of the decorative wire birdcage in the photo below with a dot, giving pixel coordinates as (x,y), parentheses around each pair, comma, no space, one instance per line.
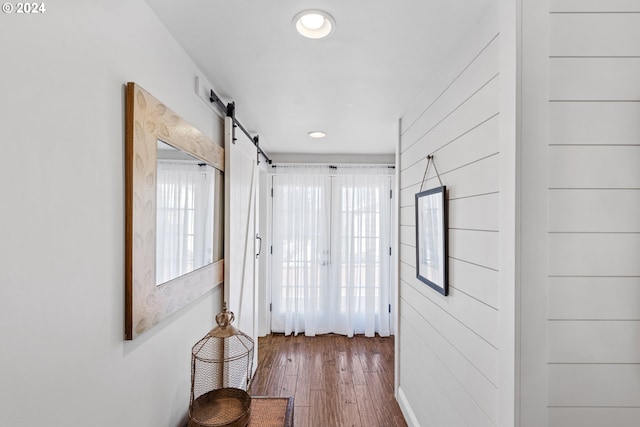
(221,370)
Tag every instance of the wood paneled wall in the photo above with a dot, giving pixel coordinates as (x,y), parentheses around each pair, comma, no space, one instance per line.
(593,316)
(579,307)
(449,345)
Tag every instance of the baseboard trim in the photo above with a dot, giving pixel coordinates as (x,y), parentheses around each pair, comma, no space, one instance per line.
(409,416)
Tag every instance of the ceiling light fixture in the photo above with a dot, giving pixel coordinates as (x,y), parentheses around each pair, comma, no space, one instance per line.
(314,24)
(317,134)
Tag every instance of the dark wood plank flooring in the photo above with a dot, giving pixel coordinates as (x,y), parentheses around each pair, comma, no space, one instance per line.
(335,381)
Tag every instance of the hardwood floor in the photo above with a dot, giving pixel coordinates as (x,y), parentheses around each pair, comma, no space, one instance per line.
(335,381)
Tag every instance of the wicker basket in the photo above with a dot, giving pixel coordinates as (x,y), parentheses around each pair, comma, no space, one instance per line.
(225,407)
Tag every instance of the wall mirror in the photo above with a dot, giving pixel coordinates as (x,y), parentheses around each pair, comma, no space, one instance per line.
(431,239)
(155,137)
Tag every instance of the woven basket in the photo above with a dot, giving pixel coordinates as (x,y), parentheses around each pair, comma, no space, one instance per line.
(225,407)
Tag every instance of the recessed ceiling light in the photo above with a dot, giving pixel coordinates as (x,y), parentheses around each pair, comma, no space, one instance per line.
(312,21)
(317,134)
(314,24)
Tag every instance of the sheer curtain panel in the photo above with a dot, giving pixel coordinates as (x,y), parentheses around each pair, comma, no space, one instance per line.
(301,232)
(361,241)
(331,242)
(185,202)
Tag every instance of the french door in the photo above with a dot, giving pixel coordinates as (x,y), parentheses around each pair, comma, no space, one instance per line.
(331,251)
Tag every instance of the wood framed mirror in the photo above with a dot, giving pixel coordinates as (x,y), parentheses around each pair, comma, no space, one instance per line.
(151,128)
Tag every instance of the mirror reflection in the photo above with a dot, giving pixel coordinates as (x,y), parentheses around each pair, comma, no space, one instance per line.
(187,219)
(431,244)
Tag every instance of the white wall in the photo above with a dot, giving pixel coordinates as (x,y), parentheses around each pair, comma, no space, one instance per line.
(333,158)
(449,346)
(581,176)
(63,360)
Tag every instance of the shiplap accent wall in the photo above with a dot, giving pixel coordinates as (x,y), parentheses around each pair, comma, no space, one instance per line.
(449,345)
(593,305)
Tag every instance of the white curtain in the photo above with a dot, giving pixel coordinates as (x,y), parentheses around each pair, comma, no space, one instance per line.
(331,235)
(184,223)
(361,237)
(301,233)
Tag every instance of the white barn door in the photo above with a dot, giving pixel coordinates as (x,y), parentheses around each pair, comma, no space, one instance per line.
(240,266)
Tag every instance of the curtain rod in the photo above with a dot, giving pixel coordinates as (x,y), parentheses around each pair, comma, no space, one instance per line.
(230,111)
(338,165)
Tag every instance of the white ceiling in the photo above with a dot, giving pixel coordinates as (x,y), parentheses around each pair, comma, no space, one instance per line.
(354,85)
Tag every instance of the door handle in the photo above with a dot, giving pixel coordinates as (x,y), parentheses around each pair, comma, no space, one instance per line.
(259,247)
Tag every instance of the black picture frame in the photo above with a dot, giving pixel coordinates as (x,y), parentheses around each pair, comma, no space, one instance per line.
(432,239)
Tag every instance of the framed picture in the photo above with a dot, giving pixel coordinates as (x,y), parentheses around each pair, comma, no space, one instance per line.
(431,239)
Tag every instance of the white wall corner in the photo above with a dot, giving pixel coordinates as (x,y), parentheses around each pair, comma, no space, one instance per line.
(405,407)
(508,209)
(533,173)
(396,261)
